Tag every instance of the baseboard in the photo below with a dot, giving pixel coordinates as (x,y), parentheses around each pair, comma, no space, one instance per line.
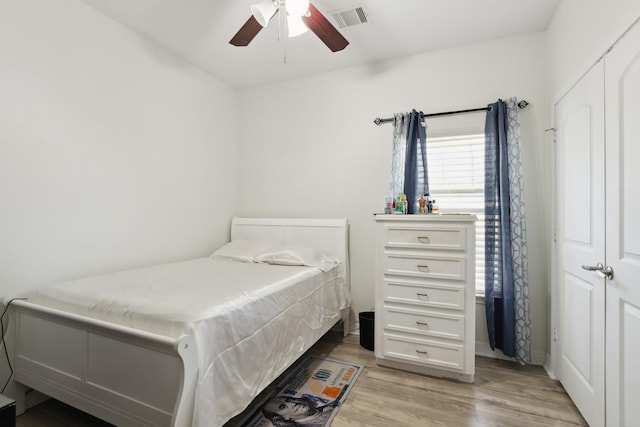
(538,358)
(355,328)
(34,398)
(484,349)
(548,369)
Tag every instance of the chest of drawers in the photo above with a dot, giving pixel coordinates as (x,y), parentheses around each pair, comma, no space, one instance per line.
(425,294)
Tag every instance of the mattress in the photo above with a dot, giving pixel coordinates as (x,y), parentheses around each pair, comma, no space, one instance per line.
(248,320)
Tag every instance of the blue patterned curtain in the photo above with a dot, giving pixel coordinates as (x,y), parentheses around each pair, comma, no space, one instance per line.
(400,127)
(416,142)
(506,274)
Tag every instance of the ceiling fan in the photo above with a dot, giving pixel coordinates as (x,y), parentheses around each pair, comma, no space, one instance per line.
(300,16)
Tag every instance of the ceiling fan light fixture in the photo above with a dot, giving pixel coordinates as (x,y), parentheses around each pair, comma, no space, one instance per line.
(310,16)
(264,11)
(295,26)
(297,8)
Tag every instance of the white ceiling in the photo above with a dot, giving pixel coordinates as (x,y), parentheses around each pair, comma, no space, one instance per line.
(200,30)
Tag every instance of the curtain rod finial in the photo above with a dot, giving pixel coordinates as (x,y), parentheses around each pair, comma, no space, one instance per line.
(378,121)
(523,104)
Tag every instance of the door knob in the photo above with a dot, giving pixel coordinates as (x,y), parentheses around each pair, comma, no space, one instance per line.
(606,273)
(600,270)
(597,267)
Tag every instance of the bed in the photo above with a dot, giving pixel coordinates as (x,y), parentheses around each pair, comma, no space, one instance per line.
(188,343)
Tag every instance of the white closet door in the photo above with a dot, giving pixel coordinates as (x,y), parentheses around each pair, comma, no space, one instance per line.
(580,227)
(622,87)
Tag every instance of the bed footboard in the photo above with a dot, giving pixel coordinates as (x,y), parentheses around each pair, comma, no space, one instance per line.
(125,376)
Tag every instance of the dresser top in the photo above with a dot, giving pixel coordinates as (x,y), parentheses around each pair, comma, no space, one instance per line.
(426,217)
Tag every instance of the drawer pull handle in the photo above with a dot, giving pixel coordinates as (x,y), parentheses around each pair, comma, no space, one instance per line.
(424,239)
(420,294)
(423,268)
(420,323)
(422,352)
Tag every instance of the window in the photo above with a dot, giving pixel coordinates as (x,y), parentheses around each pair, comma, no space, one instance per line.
(456,183)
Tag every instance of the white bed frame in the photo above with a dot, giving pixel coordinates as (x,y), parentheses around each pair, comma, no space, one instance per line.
(130,377)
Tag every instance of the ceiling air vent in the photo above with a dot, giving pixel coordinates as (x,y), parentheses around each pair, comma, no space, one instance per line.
(350,17)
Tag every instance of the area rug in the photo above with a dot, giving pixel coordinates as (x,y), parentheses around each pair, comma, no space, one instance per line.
(310,395)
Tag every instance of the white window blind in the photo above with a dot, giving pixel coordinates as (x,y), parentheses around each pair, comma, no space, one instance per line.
(456,182)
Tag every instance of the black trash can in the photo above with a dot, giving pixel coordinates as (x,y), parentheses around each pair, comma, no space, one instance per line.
(367,329)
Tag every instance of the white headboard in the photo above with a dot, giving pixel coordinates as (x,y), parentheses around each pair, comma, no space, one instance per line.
(330,236)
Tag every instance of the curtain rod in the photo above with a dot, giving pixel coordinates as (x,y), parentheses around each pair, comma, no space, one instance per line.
(378,121)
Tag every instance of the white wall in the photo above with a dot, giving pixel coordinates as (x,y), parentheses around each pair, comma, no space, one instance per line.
(308,147)
(117,154)
(580,32)
(113,152)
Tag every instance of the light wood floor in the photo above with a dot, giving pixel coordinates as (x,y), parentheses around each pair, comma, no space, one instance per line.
(503,394)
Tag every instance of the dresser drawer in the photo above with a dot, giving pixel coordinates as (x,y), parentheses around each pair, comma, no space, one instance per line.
(426,237)
(439,325)
(426,266)
(424,352)
(431,295)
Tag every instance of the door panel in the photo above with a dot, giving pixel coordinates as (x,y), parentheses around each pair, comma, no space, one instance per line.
(630,386)
(622,85)
(577,171)
(628,138)
(581,196)
(577,345)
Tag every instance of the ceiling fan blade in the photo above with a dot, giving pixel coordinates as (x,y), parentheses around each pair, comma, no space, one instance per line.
(246,33)
(324,30)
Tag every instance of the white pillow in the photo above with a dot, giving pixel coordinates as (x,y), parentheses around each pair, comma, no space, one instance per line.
(296,255)
(241,250)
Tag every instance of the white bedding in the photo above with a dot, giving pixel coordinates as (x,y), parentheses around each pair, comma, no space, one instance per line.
(249,320)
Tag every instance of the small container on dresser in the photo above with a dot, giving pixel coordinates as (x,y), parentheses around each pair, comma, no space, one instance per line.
(7,412)
(425,294)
